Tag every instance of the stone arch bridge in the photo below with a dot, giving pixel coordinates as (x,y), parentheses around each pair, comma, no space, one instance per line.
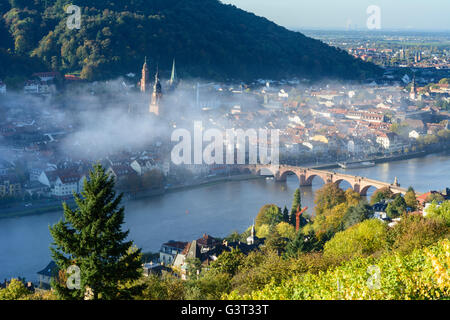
(306,177)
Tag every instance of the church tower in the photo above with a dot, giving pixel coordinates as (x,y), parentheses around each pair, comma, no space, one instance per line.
(413,94)
(173,78)
(156,96)
(145,79)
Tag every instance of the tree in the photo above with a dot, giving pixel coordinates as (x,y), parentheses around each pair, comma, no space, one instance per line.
(194,266)
(167,287)
(327,197)
(302,243)
(411,199)
(234,237)
(296,205)
(352,197)
(263,231)
(415,232)
(357,214)
(286,230)
(275,241)
(90,237)
(381,194)
(396,208)
(269,214)
(439,211)
(15,290)
(296,202)
(329,222)
(228,262)
(286,215)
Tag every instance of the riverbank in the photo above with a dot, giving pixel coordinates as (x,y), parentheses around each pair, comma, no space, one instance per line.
(55,205)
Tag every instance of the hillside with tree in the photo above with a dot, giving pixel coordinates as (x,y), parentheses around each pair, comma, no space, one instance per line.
(209,40)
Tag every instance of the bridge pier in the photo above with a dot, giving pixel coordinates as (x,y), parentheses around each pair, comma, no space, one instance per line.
(304,182)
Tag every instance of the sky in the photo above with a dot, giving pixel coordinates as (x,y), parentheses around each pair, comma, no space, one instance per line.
(338,14)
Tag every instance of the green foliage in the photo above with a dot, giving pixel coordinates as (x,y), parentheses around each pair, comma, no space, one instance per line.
(396,208)
(263,231)
(260,268)
(411,199)
(167,287)
(194,266)
(90,237)
(115,36)
(286,217)
(269,214)
(296,202)
(275,241)
(228,262)
(352,198)
(439,211)
(356,214)
(286,230)
(363,239)
(303,243)
(327,197)
(233,237)
(210,286)
(415,232)
(381,194)
(423,274)
(15,290)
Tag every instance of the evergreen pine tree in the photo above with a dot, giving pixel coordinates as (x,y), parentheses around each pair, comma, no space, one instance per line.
(90,237)
(302,243)
(296,204)
(286,215)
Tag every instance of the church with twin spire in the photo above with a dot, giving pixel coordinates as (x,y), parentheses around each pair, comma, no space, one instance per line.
(155,106)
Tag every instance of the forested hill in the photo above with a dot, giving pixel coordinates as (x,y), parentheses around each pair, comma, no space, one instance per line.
(208,39)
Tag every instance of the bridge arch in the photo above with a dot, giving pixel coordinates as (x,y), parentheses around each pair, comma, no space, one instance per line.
(267,169)
(283,175)
(364,189)
(309,179)
(339,181)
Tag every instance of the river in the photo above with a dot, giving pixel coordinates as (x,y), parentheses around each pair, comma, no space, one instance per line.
(186,215)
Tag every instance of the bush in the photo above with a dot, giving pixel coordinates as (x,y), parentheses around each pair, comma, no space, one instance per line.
(415,231)
(362,240)
(423,274)
(439,211)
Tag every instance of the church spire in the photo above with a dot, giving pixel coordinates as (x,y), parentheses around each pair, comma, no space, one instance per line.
(156,95)
(145,79)
(413,93)
(173,77)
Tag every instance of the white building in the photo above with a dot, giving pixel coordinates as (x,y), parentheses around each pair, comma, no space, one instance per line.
(414,135)
(143,166)
(62,183)
(390,141)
